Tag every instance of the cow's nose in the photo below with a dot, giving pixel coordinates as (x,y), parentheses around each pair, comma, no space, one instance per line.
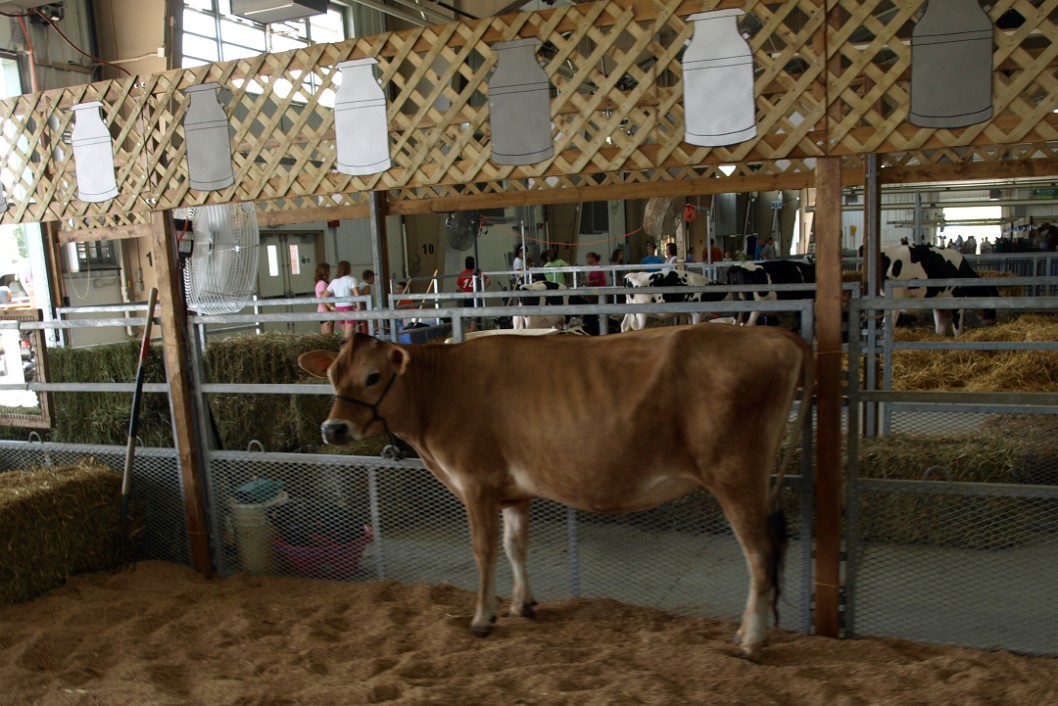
(334,431)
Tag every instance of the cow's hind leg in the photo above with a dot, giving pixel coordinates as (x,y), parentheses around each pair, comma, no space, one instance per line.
(752,527)
(516,545)
(484,519)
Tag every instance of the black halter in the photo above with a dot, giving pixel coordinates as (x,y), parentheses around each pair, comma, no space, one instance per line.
(391,450)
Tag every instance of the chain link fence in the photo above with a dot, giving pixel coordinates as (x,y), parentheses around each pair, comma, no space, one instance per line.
(952,511)
(157,489)
(357,517)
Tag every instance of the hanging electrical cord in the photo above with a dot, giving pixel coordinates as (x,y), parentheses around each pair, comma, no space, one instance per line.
(30,54)
(49,23)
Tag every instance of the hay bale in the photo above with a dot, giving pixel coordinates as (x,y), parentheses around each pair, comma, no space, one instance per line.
(103,418)
(983,371)
(993,456)
(1035,459)
(293,421)
(1009,290)
(56,522)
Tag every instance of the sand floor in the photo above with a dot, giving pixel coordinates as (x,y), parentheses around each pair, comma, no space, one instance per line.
(160,634)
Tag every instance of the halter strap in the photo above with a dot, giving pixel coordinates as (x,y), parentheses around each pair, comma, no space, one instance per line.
(391,450)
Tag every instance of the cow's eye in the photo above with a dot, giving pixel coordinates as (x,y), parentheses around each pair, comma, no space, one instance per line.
(372,379)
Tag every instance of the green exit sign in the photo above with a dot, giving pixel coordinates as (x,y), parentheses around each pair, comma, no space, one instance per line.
(1045,193)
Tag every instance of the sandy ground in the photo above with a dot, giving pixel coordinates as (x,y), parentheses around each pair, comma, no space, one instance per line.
(161,634)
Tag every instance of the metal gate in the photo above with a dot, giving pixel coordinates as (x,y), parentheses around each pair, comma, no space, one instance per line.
(952,510)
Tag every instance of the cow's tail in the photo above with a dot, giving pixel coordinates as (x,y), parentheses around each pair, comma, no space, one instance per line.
(777,533)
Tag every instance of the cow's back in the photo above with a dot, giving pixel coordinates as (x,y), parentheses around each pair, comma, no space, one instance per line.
(619,407)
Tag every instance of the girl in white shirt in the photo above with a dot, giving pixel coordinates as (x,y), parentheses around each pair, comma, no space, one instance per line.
(344,285)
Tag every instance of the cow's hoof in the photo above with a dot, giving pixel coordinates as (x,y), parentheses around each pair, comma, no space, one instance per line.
(750,653)
(483,630)
(525,610)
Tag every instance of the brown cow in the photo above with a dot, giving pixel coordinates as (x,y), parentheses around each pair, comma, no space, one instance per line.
(702,405)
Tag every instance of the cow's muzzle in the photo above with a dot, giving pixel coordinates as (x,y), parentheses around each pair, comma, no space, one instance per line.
(335,432)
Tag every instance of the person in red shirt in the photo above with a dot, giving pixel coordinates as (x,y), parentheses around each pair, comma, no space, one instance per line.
(465,283)
(717,254)
(595,277)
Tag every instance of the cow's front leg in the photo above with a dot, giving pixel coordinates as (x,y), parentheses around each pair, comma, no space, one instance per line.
(516,545)
(940,321)
(484,519)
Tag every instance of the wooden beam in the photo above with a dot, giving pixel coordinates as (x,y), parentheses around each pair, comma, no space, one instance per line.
(177,370)
(81,235)
(612,192)
(269,219)
(828,391)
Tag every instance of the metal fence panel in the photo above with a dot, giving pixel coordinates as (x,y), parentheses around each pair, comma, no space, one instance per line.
(680,556)
(952,508)
(156,488)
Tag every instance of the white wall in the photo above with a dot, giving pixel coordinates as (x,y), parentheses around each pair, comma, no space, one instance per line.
(351,241)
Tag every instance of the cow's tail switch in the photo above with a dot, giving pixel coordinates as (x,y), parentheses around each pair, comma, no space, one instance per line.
(777,534)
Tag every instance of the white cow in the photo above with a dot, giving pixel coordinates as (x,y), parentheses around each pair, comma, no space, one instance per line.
(669,278)
(543,321)
(928,262)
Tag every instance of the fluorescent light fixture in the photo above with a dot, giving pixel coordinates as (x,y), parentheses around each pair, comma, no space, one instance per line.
(265,11)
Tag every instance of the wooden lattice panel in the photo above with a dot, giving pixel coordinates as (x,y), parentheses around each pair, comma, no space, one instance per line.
(832,79)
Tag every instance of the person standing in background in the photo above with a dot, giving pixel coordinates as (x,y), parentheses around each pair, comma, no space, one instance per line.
(617,259)
(344,285)
(714,253)
(518,265)
(323,276)
(768,251)
(595,277)
(553,260)
(651,258)
(467,282)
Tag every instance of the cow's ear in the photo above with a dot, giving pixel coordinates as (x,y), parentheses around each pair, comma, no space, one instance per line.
(316,362)
(399,358)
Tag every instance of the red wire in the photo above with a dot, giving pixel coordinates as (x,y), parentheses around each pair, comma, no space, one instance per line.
(49,23)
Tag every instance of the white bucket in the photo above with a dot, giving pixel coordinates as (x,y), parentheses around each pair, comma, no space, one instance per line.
(254,534)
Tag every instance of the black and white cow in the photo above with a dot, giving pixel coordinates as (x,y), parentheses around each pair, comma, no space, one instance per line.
(539,320)
(668,278)
(902,262)
(772,272)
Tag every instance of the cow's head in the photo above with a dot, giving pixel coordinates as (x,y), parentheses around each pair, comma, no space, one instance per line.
(362,374)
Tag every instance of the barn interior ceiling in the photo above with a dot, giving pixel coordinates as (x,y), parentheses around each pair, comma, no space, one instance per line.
(831,80)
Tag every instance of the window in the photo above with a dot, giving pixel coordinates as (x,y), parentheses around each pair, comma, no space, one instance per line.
(983,223)
(91,255)
(595,217)
(211,33)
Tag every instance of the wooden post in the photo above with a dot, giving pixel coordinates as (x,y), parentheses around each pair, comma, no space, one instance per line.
(828,390)
(178,374)
(379,247)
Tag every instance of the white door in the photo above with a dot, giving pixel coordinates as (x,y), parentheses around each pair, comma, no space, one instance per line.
(287,266)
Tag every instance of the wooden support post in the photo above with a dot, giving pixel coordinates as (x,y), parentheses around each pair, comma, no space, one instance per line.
(828,389)
(379,247)
(178,374)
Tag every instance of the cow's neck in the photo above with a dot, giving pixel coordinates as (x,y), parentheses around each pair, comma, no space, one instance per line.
(420,385)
